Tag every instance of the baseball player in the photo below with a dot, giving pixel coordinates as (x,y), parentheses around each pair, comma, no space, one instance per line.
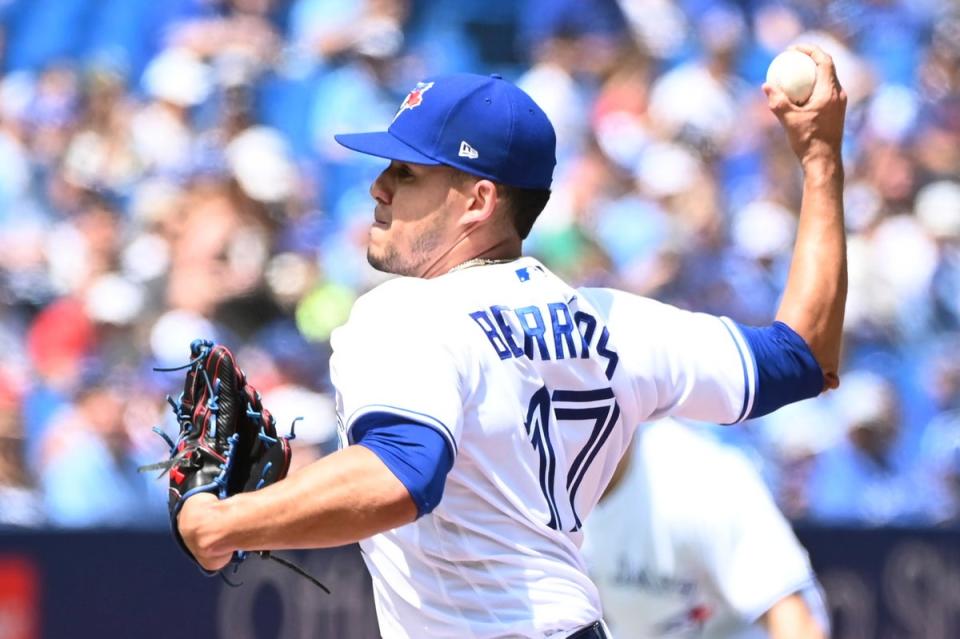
(688,543)
(485,403)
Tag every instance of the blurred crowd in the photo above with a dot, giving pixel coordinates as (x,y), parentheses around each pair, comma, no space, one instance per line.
(168,171)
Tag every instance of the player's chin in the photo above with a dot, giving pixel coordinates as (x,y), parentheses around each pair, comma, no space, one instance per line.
(380,258)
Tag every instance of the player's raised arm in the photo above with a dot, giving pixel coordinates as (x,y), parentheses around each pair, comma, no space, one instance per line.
(703,367)
(816,289)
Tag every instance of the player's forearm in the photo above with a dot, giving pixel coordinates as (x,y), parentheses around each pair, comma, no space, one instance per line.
(816,291)
(790,618)
(340,499)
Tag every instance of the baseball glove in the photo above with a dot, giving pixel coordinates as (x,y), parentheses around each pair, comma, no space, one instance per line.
(228,441)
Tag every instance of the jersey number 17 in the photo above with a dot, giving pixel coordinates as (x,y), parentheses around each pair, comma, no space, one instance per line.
(570,409)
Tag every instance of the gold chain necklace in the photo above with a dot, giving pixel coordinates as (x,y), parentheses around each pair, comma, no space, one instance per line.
(480,261)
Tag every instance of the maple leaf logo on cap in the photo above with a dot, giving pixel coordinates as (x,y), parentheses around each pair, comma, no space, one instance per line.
(414,98)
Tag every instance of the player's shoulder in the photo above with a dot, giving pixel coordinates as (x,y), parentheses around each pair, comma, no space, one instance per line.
(393,300)
(401,313)
(610,301)
(399,287)
(637,318)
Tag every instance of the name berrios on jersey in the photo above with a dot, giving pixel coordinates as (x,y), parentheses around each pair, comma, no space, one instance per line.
(507,361)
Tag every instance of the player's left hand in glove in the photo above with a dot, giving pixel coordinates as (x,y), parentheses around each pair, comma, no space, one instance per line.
(228,441)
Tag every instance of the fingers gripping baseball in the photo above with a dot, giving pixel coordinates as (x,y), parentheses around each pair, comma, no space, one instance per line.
(815,128)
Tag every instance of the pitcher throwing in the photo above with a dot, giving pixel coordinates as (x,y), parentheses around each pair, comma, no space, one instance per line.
(485,403)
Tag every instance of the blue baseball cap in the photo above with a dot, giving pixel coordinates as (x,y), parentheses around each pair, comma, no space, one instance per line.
(482,125)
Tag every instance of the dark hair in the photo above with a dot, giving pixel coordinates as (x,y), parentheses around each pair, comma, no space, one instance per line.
(524,206)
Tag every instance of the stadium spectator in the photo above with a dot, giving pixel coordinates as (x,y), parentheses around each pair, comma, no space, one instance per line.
(151,151)
(20,502)
(88,447)
(867,478)
(939,447)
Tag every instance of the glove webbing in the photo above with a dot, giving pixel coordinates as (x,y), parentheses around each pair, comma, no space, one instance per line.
(184,420)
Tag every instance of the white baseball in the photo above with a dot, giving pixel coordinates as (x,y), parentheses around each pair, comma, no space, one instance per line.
(795,73)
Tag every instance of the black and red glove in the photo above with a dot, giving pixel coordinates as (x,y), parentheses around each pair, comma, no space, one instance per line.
(228,441)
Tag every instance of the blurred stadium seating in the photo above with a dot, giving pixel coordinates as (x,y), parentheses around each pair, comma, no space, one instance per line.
(167,171)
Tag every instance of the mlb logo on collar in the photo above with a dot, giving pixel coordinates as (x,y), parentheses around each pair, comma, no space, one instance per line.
(524,274)
(414,98)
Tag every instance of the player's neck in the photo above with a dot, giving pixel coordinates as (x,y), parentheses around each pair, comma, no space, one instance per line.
(481,261)
(468,253)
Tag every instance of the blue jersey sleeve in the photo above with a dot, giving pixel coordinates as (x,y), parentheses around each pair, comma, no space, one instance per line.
(786,370)
(418,455)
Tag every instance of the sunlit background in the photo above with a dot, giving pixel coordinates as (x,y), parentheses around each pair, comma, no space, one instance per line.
(168,171)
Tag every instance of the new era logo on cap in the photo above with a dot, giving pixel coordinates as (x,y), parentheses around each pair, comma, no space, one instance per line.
(437,118)
(467,151)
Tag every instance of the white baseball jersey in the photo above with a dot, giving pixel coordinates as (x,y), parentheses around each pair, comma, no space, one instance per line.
(690,544)
(537,387)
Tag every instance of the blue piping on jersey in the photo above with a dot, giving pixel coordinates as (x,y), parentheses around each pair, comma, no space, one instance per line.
(746,376)
(786,369)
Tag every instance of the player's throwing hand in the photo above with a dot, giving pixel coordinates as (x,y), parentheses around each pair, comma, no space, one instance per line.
(815,128)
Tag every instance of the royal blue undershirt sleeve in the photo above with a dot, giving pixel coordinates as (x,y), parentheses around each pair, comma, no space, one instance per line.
(786,370)
(417,454)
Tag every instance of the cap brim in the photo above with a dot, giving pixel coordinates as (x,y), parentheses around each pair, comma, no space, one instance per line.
(383,145)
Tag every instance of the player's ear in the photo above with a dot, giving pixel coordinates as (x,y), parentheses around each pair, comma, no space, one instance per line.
(481,202)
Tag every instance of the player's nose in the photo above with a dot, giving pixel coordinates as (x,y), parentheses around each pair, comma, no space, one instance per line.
(379,190)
